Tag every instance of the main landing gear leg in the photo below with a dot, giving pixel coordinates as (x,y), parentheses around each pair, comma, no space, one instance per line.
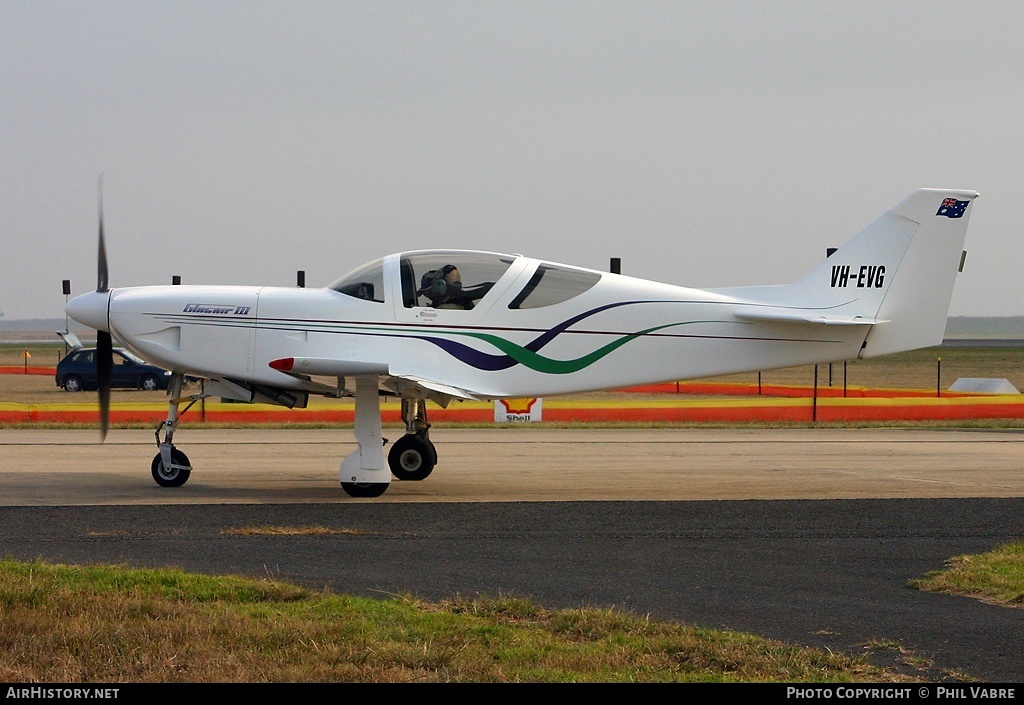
(170,466)
(362,472)
(413,456)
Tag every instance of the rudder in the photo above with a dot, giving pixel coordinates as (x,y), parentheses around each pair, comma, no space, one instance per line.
(915,305)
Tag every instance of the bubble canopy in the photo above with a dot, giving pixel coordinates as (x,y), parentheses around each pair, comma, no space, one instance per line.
(474,273)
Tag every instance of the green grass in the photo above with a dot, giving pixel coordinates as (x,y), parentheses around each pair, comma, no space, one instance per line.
(40,354)
(996,576)
(116,624)
(81,624)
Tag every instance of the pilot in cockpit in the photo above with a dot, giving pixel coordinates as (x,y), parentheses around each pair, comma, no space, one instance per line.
(443,287)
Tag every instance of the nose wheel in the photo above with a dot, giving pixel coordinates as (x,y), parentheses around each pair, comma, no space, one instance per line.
(174,473)
(171,467)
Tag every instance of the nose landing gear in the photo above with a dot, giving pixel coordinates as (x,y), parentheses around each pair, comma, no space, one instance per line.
(170,466)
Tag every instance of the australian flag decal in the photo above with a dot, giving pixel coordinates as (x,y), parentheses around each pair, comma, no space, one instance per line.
(952,208)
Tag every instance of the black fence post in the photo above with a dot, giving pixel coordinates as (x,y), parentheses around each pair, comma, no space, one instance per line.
(814,407)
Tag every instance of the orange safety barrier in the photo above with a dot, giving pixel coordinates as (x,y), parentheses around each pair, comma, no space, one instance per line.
(30,370)
(779,390)
(680,411)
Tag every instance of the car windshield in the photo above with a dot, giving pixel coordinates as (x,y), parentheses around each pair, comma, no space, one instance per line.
(131,356)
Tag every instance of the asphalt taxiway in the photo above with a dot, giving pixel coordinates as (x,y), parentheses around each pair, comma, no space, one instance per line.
(58,467)
(807,536)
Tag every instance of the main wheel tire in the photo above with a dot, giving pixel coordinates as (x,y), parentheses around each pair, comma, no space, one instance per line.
(412,458)
(173,477)
(149,383)
(364,489)
(73,383)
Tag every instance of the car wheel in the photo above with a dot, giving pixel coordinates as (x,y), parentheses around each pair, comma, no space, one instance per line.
(72,384)
(149,383)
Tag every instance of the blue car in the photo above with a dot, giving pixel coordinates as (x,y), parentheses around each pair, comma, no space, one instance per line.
(77,372)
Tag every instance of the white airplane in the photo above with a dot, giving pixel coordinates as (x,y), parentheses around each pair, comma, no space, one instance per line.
(406,325)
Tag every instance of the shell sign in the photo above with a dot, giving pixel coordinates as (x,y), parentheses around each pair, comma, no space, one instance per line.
(514,410)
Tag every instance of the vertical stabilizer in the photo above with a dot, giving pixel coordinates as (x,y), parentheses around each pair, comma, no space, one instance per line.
(916,304)
(895,278)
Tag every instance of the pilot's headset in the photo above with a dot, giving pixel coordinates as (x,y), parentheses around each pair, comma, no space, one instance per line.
(433,284)
(453,287)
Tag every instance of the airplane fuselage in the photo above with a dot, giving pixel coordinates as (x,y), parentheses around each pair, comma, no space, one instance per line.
(459,324)
(621,331)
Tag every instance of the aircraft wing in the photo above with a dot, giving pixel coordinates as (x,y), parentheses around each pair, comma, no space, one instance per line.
(437,387)
(798,315)
(394,380)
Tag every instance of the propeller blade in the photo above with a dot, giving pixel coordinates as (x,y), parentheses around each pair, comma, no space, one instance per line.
(104,341)
(101,265)
(104,370)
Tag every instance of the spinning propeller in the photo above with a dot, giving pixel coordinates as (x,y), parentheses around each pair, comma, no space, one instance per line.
(104,341)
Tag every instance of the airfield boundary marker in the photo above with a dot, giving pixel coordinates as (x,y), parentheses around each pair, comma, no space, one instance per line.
(759,409)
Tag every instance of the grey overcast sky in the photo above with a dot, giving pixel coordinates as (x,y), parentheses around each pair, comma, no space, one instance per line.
(710,143)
